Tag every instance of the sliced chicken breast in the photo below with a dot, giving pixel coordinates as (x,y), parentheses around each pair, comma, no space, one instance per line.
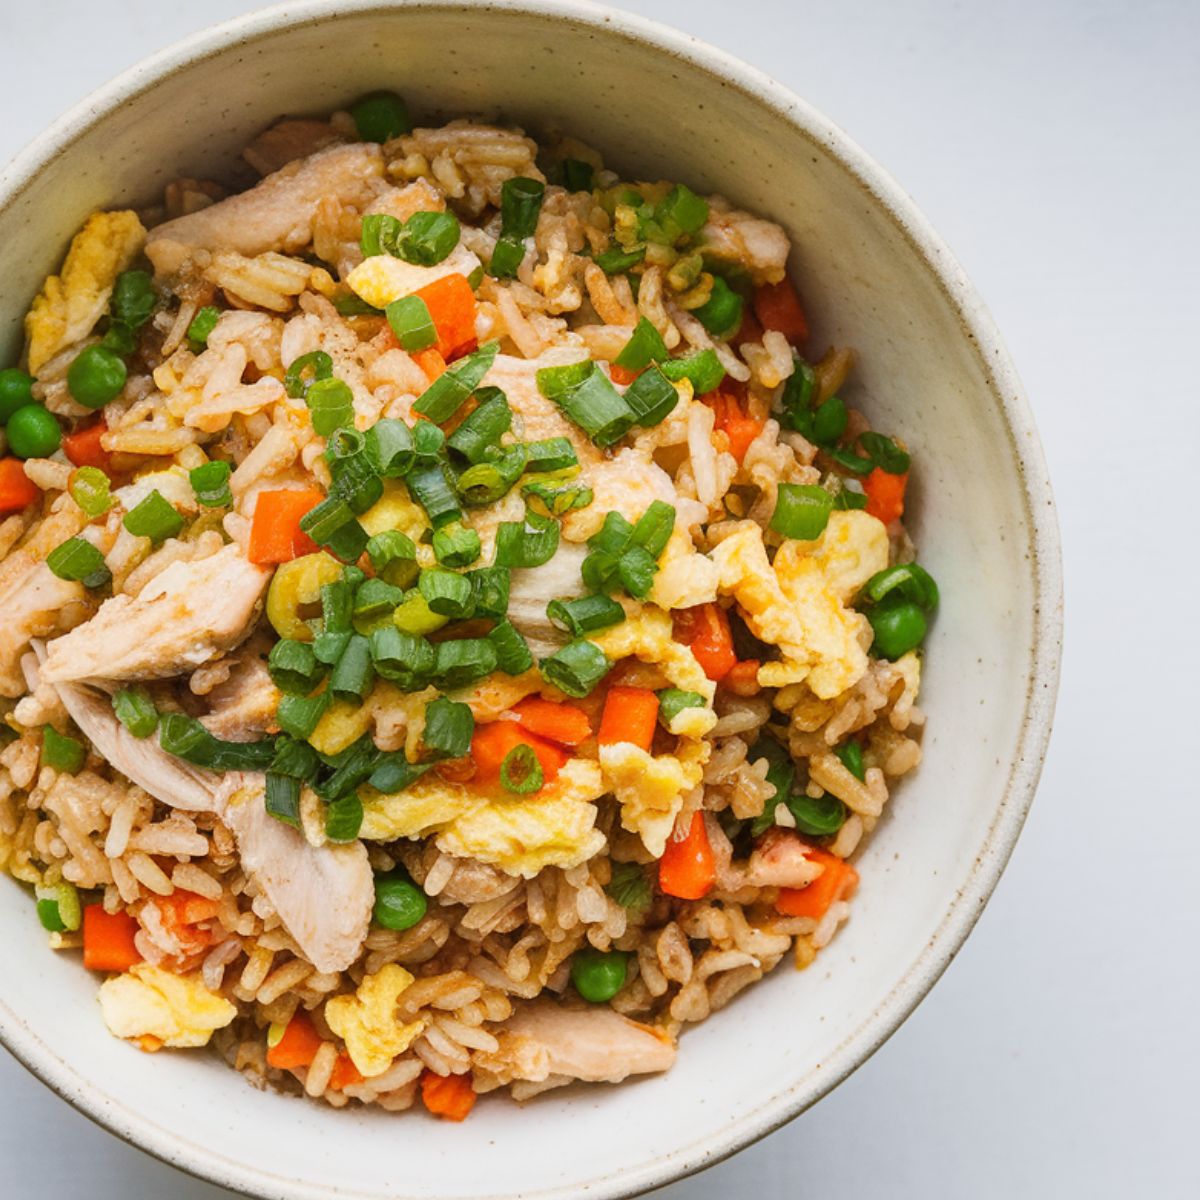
(30,605)
(532,588)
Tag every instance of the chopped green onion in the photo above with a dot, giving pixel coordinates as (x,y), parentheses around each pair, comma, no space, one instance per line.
(448,594)
(332,525)
(306,370)
(520,772)
(829,422)
(721,313)
(681,213)
(210,483)
(404,659)
(154,518)
(798,394)
(78,560)
(380,235)
(847,498)
(614,535)
(909,580)
(449,727)
(576,668)
(801,511)
(781,778)
(551,454)
(702,369)
(427,238)
(296,759)
(186,738)
(330,405)
(411,323)
(852,759)
(585,615)
(456,545)
(615,261)
(443,398)
(343,818)
(654,528)
(389,446)
(394,557)
(507,257)
(299,715)
(58,907)
(486,482)
(481,430)
(672,701)
(414,615)
(380,116)
(354,674)
(636,569)
(848,460)
(293,667)
(431,490)
(354,477)
(884,453)
(577,175)
(816,816)
(330,644)
(89,488)
(374,598)
(528,543)
(463,661)
(644,347)
(520,203)
(351,766)
(62,752)
(282,798)
(491,586)
(586,395)
(395,773)
(203,323)
(337,605)
(513,655)
(558,500)
(133,298)
(428,441)
(134,708)
(629,886)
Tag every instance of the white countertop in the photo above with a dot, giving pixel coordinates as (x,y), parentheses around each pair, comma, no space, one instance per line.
(1055,146)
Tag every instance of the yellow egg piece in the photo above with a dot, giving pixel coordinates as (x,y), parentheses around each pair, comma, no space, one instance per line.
(176,1010)
(367,1023)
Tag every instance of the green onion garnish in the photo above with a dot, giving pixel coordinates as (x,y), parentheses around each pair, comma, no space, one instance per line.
(330,405)
(520,203)
(63,753)
(520,772)
(551,454)
(354,477)
(798,394)
(513,655)
(852,759)
(353,674)
(203,323)
(463,661)
(486,482)
(375,598)
(586,395)
(447,593)
(443,398)
(77,559)
(721,313)
(481,430)
(427,238)
(558,500)
(305,371)
(577,176)
(411,323)
(829,421)
(909,580)
(528,543)
(299,715)
(404,659)
(585,615)
(576,668)
(293,667)
(282,798)
(428,441)
(651,397)
(449,727)
(643,348)
(414,615)
(186,738)
(681,213)
(801,511)
(329,645)
(884,453)
(58,907)
(337,605)
(629,886)
(654,528)
(781,777)
(351,766)
(816,816)
(507,257)
(210,483)
(491,587)
(456,545)
(636,569)
(431,490)
(89,488)
(380,116)
(332,525)
(395,773)
(134,708)
(154,518)
(672,701)
(849,461)
(394,557)
(703,369)
(296,759)
(616,260)
(133,299)
(389,447)
(343,818)
(847,498)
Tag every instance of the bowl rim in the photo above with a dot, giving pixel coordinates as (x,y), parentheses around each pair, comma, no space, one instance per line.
(1033,736)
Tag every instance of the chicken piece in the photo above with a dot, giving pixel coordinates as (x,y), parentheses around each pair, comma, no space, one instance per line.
(627,483)
(738,238)
(276,214)
(31,606)
(184,617)
(243,707)
(780,860)
(537,417)
(473,882)
(288,140)
(323,894)
(532,588)
(72,302)
(594,1044)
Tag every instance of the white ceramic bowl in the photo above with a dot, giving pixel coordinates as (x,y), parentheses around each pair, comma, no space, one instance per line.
(932,369)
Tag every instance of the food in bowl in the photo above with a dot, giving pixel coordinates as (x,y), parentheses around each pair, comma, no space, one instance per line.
(455,637)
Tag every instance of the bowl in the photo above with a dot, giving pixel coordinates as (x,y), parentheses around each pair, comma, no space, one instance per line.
(931,368)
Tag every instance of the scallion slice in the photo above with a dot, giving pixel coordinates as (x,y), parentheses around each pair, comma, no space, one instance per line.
(615,260)
(210,482)
(375,598)
(449,727)
(481,430)
(672,701)
(405,659)
(486,482)
(153,517)
(884,452)
(681,212)
(89,488)
(643,348)
(395,773)
(654,528)
(507,257)
(411,323)
(415,616)
(463,661)
(354,477)
(431,490)
(343,818)
(282,798)
(456,545)
(296,759)
(849,461)
(513,655)
(636,569)
(586,395)
(380,116)
(557,500)
(909,580)
(389,446)
(332,525)
(721,313)
(293,667)
(394,557)
(447,593)
(491,586)
(528,543)
(330,405)
(62,752)
(78,560)
(577,175)
(353,674)
(203,323)
(134,708)
(427,238)
(651,397)
(702,369)
(428,442)
(576,668)
(551,454)
(186,738)
(520,772)
(584,615)
(306,370)
(299,715)
(520,203)
(801,511)
(443,398)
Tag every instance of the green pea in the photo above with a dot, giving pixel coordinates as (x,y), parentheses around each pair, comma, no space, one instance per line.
(33,432)
(598,975)
(96,376)
(380,116)
(817,816)
(898,628)
(829,421)
(399,903)
(16,391)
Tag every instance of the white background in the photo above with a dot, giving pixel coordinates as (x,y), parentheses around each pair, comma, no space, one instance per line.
(1054,145)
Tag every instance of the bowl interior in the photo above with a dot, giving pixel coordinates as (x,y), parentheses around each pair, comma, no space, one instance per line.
(869,284)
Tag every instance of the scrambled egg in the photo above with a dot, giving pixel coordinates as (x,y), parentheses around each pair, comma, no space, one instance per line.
(381,278)
(173,1010)
(685,577)
(367,1023)
(648,636)
(70,304)
(520,835)
(651,788)
(797,604)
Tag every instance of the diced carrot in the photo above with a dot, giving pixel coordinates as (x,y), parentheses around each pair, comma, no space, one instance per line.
(456,770)
(687,869)
(705,631)
(492,743)
(344,1074)
(563,724)
(17,490)
(742,679)
(298,1046)
(431,362)
(108,940)
(448,1096)
(181,912)
(734,421)
(83,446)
(630,715)
(275,534)
(451,304)
(778,307)
(837,881)
(622,375)
(885,494)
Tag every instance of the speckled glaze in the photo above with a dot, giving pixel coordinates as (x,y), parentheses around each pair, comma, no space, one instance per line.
(932,368)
